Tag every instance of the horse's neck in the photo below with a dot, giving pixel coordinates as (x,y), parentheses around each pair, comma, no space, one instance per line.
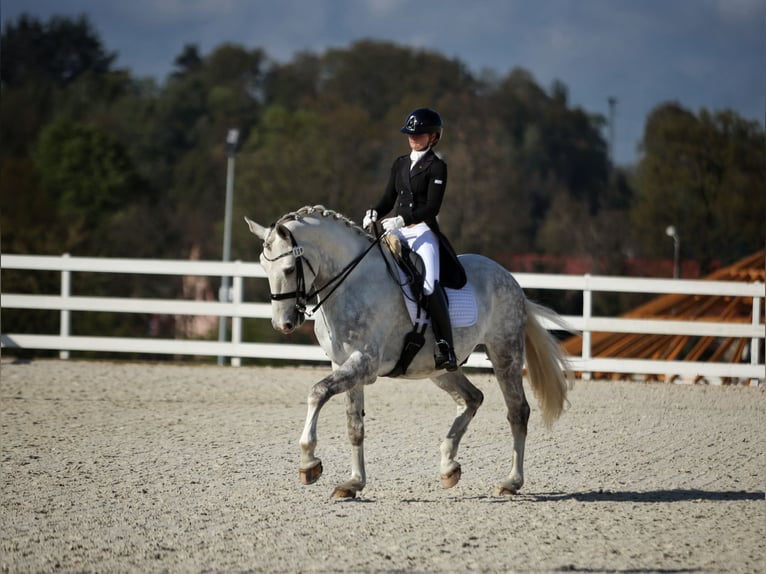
(337,247)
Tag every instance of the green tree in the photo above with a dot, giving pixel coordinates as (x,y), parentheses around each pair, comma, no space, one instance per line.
(321,154)
(292,84)
(194,112)
(486,209)
(375,76)
(28,217)
(40,61)
(88,177)
(188,61)
(705,175)
(58,51)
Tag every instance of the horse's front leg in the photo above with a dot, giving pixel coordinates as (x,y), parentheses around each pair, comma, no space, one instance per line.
(355,418)
(357,370)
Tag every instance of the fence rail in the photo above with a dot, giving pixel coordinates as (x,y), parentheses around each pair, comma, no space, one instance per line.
(238,309)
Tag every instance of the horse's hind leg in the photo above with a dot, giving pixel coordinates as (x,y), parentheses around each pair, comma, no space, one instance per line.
(508,365)
(468,399)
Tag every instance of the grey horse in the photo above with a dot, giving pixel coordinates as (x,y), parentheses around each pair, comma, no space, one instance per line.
(315,254)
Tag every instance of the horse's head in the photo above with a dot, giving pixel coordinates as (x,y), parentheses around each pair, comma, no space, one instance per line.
(290,277)
(334,245)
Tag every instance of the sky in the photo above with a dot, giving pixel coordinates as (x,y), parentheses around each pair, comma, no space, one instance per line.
(700,53)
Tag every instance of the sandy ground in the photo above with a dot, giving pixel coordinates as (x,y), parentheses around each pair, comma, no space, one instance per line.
(113,467)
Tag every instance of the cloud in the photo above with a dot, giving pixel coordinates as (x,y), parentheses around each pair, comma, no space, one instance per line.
(738,11)
(382,7)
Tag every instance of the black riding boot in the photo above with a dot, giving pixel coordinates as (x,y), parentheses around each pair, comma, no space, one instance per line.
(444,353)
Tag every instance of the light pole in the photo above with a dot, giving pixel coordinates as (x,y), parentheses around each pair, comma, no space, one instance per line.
(671,232)
(224,294)
(612,107)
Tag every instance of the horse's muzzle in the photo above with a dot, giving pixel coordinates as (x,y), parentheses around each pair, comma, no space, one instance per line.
(288,325)
(285,329)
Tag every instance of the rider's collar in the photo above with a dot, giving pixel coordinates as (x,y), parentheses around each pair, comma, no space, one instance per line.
(416,156)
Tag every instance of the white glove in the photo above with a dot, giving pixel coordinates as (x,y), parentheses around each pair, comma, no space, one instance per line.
(393,223)
(369,218)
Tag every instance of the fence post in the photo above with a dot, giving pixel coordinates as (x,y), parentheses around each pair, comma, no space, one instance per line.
(66,291)
(236,319)
(754,346)
(587,311)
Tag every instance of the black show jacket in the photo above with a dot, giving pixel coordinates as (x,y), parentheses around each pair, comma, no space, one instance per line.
(417,196)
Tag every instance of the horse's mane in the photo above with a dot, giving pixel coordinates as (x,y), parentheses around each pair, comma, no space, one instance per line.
(322,211)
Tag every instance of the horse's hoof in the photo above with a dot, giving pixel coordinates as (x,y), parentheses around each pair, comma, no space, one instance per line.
(343,492)
(503,490)
(311,474)
(451,479)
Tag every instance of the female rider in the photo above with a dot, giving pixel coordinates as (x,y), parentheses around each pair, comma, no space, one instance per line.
(415,191)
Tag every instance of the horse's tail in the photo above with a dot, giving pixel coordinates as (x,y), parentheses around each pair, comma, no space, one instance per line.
(547,365)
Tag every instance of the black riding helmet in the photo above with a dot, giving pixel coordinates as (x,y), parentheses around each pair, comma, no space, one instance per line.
(423,121)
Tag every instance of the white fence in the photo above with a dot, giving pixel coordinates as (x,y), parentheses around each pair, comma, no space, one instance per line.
(238,309)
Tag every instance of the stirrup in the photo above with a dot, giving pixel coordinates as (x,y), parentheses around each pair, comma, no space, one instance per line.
(444,356)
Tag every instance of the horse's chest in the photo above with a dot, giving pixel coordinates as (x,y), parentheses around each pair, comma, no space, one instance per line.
(337,336)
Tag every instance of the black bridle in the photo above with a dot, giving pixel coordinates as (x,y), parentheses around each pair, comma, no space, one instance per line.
(300,295)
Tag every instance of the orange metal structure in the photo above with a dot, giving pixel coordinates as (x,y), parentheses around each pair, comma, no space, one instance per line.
(684,307)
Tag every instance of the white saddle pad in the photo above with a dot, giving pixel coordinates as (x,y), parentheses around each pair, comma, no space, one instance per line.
(463,310)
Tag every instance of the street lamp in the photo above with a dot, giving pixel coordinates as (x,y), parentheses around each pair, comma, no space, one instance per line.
(612,107)
(224,294)
(671,232)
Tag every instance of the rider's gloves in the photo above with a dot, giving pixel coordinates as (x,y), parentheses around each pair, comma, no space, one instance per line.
(393,223)
(369,218)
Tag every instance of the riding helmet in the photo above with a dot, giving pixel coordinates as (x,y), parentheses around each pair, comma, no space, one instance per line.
(423,121)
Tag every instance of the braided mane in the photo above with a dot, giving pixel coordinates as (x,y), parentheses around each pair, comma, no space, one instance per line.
(322,211)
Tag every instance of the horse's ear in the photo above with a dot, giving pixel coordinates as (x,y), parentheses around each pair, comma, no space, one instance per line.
(256,229)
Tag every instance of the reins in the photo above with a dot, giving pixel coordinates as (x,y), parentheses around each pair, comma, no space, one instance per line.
(300,295)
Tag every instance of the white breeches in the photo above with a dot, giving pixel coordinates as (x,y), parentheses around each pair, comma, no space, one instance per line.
(423,241)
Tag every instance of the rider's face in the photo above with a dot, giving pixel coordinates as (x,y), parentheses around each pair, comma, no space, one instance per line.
(420,142)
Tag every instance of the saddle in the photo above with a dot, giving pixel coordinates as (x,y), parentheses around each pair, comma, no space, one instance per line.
(414,271)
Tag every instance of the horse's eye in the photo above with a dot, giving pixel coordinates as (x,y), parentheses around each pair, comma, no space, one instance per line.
(289,270)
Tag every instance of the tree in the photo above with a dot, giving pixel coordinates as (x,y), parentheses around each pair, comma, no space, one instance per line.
(188,61)
(292,84)
(322,154)
(375,76)
(193,113)
(28,216)
(88,177)
(57,52)
(486,208)
(705,175)
(41,62)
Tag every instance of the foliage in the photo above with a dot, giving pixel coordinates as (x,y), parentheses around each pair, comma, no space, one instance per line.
(86,173)
(98,162)
(705,175)
(41,61)
(57,51)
